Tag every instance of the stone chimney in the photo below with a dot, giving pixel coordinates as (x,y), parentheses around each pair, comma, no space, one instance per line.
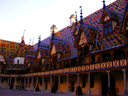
(72,19)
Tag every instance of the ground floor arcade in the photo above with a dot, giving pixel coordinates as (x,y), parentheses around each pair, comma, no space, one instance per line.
(95,83)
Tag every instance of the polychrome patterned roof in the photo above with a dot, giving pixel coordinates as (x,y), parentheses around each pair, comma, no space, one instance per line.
(60,46)
(44,52)
(32,52)
(117,7)
(30,58)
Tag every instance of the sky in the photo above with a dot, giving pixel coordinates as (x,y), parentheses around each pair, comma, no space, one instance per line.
(37,16)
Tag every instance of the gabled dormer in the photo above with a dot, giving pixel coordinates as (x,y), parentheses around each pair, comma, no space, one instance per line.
(109,20)
(84,37)
(42,54)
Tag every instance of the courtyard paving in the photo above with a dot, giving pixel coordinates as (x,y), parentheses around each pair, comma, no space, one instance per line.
(8,92)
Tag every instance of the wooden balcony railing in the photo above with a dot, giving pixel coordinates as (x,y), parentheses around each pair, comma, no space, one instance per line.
(98,66)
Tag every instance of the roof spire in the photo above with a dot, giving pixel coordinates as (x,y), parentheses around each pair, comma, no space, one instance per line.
(39,40)
(81,17)
(53,32)
(23,35)
(104,4)
(76,18)
(29,43)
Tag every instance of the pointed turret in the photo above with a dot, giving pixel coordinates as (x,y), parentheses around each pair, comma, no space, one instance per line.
(76,18)
(81,17)
(104,4)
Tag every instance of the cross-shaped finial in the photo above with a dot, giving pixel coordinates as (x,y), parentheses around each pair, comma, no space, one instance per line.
(103,3)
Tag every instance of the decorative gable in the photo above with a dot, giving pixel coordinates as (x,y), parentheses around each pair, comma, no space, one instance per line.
(82,39)
(2,59)
(53,49)
(38,55)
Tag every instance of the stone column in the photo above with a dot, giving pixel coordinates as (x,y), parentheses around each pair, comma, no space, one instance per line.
(42,83)
(8,83)
(36,81)
(50,82)
(0,82)
(59,84)
(24,82)
(89,90)
(20,81)
(15,84)
(108,78)
(32,83)
(125,83)
(78,79)
(28,82)
(67,83)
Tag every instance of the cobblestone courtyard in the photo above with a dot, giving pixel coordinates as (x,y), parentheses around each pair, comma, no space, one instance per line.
(8,92)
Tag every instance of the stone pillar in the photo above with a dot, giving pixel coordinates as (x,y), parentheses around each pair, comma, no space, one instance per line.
(67,83)
(59,84)
(36,81)
(108,78)
(42,83)
(20,81)
(28,82)
(24,82)
(89,90)
(50,82)
(15,84)
(125,83)
(78,79)
(8,83)
(0,82)
(32,83)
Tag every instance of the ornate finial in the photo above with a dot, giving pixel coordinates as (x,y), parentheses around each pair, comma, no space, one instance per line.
(104,4)
(76,18)
(29,43)
(53,32)
(23,35)
(33,41)
(39,40)
(81,17)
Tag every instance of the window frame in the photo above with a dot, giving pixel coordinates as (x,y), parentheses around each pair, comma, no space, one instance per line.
(107,26)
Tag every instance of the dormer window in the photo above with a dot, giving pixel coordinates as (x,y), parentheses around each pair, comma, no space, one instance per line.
(107,27)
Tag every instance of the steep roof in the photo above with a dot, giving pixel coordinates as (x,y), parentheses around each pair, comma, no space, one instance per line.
(116,8)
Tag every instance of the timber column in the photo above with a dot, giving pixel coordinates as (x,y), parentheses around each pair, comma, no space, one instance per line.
(89,90)
(125,83)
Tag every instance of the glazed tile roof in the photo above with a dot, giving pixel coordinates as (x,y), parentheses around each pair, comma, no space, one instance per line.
(32,52)
(16,67)
(30,58)
(44,52)
(115,39)
(60,46)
